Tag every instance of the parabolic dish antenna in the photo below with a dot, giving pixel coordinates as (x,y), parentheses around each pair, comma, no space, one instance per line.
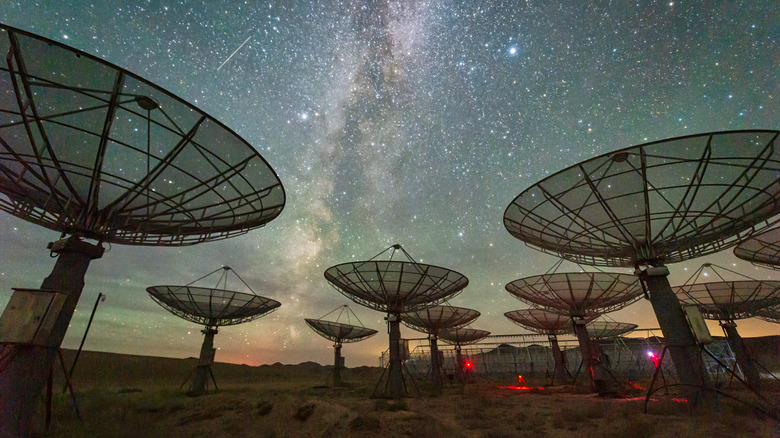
(582,296)
(93,151)
(433,320)
(541,321)
(552,324)
(727,301)
(213,308)
(761,249)
(458,338)
(463,336)
(605,330)
(656,203)
(578,294)
(339,333)
(395,287)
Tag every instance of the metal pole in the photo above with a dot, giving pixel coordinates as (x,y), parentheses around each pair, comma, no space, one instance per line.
(678,337)
(101,297)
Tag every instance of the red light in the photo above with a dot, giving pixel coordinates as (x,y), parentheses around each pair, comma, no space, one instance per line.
(520,380)
(655,359)
(468,364)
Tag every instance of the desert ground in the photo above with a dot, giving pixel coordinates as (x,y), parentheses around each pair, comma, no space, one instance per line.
(134,396)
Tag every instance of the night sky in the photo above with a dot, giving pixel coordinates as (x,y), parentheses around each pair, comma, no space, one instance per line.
(411,122)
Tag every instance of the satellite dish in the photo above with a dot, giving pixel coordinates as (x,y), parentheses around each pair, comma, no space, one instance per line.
(762,249)
(458,338)
(632,208)
(395,287)
(212,308)
(552,324)
(463,336)
(433,320)
(339,333)
(93,151)
(581,296)
(727,301)
(606,330)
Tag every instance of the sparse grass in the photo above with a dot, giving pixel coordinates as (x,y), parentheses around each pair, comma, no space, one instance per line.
(282,402)
(637,425)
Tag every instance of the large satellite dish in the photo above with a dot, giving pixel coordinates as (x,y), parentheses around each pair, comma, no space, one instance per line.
(552,324)
(581,296)
(458,338)
(93,151)
(652,204)
(762,249)
(727,301)
(433,320)
(395,287)
(212,308)
(463,336)
(340,333)
(606,330)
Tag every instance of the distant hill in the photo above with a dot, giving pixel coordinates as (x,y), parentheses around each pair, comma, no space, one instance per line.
(113,370)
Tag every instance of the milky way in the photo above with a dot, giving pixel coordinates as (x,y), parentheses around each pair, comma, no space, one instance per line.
(405,122)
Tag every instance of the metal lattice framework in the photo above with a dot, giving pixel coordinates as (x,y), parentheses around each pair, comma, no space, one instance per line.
(434,319)
(761,249)
(541,321)
(88,148)
(668,201)
(395,286)
(578,294)
(463,336)
(730,300)
(338,332)
(770,314)
(604,330)
(212,307)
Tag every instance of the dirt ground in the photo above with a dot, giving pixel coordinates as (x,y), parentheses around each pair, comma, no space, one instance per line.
(135,399)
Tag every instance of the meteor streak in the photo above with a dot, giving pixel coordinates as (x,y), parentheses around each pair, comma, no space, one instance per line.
(234,52)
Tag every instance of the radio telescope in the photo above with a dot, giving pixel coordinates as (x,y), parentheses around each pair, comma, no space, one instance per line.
(582,296)
(460,337)
(339,333)
(653,204)
(433,320)
(762,249)
(395,287)
(606,330)
(212,308)
(93,151)
(552,324)
(727,301)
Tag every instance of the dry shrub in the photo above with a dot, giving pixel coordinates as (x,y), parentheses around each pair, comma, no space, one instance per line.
(389,405)
(365,423)
(264,408)
(304,412)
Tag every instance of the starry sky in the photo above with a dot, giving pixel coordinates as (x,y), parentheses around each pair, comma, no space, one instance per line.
(411,122)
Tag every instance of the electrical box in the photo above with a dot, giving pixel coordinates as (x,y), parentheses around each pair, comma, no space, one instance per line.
(342,362)
(30,315)
(698,327)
